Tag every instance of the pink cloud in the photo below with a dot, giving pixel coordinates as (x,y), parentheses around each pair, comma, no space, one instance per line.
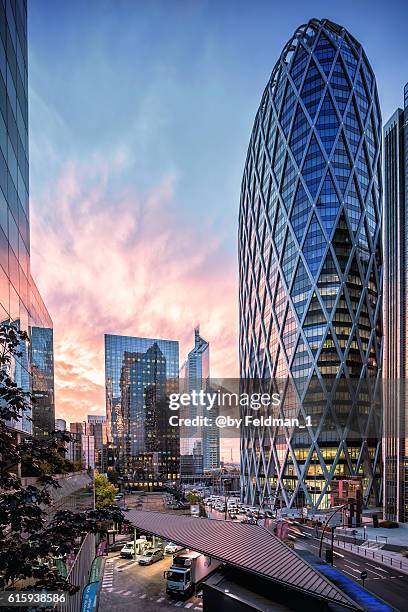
(119,261)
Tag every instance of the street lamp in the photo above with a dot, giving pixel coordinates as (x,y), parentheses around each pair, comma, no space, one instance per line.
(225,499)
(324,529)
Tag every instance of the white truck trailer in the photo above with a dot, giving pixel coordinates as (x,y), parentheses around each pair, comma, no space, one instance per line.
(188,569)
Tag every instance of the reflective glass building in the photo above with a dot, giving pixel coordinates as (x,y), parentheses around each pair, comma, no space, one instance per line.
(20,302)
(395,449)
(199,446)
(310,271)
(140,373)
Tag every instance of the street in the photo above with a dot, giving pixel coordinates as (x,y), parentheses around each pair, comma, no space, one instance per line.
(128,586)
(387,583)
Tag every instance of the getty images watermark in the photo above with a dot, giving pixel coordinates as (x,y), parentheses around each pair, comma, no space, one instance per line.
(220,399)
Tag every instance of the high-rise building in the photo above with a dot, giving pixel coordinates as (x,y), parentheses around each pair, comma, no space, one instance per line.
(96,426)
(77,428)
(140,374)
(60,425)
(20,302)
(310,270)
(88,451)
(395,449)
(195,376)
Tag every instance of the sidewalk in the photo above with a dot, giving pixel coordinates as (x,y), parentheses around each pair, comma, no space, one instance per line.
(397,537)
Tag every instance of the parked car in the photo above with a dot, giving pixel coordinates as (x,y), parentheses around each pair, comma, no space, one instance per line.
(151,556)
(117,545)
(127,551)
(172,548)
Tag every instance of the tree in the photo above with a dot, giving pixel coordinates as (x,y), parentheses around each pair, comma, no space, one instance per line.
(29,540)
(104,491)
(193,498)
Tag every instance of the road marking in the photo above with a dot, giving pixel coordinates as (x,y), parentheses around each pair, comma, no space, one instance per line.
(376,573)
(376,567)
(178,603)
(346,572)
(353,563)
(143,596)
(352,569)
(160,599)
(188,605)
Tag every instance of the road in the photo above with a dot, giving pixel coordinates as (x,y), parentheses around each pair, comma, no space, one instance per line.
(387,583)
(127,586)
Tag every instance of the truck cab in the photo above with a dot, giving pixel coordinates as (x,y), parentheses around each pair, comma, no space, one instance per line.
(188,570)
(179,581)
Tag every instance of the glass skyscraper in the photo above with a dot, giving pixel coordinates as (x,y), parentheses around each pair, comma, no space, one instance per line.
(20,302)
(395,449)
(199,446)
(140,374)
(310,272)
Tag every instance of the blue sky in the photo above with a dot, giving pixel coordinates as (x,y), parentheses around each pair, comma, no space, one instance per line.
(140,114)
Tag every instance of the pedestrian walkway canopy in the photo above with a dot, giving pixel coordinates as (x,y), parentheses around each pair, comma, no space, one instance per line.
(251,548)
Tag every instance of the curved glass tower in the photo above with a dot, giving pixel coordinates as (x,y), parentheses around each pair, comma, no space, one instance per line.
(310,266)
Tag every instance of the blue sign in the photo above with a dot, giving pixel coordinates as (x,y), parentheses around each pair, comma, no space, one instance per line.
(89,597)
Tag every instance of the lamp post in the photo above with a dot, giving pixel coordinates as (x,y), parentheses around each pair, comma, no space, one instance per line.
(225,500)
(325,525)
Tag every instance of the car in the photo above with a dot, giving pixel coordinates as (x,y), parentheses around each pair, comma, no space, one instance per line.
(151,556)
(171,548)
(127,552)
(115,546)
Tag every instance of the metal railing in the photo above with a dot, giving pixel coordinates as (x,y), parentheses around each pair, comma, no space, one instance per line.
(79,573)
(369,553)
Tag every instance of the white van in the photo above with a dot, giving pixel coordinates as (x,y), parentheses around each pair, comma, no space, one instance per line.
(129,550)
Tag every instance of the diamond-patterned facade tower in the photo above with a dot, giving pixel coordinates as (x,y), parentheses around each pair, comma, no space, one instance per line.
(310,265)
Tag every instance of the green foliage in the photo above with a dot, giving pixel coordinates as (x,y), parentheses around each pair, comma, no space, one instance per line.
(104,491)
(193,498)
(30,538)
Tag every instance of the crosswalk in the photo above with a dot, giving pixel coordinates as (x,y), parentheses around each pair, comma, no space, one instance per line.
(107,581)
(160,599)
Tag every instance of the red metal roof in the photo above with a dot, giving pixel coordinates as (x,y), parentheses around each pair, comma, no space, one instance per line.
(250,547)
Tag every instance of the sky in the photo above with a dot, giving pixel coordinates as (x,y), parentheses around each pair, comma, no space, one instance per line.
(140,114)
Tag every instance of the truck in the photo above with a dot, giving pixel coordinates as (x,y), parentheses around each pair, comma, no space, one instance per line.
(188,570)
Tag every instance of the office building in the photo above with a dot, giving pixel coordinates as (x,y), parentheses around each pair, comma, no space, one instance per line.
(96,426)
(60,425)
(195,376)
(310,273)
(140,374)
(88,451)
(20,302)
(77,428)
(395,450)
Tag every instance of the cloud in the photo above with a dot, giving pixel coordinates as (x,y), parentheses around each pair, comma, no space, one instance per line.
(109,258)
